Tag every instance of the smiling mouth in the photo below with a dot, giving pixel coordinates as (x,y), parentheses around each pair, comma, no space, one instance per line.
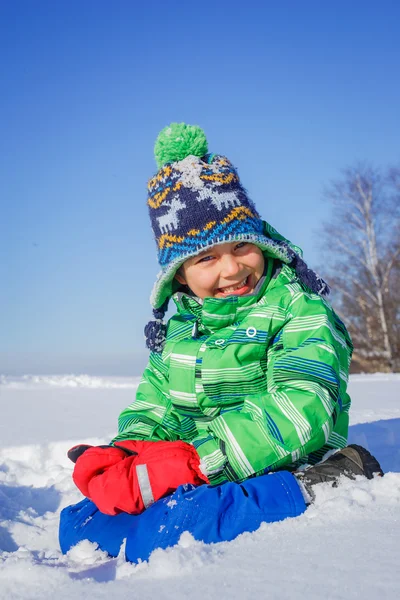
(240,288)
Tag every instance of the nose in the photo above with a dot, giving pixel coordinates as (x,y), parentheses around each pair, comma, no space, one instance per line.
(229,266)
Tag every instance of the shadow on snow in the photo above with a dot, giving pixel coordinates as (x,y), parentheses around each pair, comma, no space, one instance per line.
(382,439)
(22,504)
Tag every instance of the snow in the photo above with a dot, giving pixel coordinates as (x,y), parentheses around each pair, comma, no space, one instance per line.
(61,381)
(344,546)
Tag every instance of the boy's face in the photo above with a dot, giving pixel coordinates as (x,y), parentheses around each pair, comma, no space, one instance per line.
(231,269)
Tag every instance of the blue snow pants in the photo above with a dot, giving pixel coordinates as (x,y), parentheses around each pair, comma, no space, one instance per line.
(210,514)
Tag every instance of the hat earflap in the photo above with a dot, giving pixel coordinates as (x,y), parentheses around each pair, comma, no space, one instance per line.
(156,330)
(307,276)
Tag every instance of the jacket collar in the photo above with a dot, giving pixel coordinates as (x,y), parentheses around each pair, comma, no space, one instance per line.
(216,313)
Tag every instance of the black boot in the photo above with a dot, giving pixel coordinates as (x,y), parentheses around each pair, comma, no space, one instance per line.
(351,461)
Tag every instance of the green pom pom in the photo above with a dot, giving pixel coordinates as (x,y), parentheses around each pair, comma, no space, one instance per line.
(177,141)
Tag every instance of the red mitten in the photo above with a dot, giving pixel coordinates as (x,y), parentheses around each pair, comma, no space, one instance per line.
(134,474)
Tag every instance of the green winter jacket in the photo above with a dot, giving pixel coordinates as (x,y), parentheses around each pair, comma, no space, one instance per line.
(256,383)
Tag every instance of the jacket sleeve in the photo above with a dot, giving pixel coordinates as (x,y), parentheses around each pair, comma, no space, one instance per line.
(307,366)
(150,416)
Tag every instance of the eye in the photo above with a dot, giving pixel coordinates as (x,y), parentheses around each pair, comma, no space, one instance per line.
(205,259)
(240,245)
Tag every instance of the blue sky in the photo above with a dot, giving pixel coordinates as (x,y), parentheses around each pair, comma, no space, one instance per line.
(291,92)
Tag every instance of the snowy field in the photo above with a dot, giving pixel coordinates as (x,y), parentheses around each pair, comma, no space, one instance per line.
(345,546)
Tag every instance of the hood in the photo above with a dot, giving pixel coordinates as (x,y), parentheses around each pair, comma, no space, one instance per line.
(272,243)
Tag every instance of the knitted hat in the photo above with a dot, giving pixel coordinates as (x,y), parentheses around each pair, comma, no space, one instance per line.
(196,201)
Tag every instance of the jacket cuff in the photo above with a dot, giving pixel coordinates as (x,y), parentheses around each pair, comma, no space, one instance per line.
(212,460)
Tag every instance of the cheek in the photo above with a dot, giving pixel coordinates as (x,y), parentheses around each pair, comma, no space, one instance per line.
(256,261)
(200,279)
(204,279)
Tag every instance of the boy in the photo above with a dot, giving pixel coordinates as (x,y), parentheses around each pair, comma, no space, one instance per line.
(250,375)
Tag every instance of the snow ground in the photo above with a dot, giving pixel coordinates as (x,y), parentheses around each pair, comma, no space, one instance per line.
(345,546)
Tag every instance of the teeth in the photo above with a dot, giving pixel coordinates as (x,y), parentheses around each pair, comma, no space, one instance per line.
(232,288)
